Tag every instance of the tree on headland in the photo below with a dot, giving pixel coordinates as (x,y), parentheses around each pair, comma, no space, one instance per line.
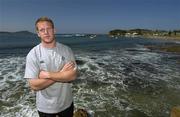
(169,33)
(120,32)
(117,32)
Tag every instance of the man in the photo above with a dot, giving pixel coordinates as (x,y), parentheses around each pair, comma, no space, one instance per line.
(50,67)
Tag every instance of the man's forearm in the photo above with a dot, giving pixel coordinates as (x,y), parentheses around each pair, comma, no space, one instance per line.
(39,84)
(63,76)
(66,74)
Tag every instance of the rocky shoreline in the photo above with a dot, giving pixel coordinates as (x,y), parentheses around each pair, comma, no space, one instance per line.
(166,48)
(169,47)
(177,38)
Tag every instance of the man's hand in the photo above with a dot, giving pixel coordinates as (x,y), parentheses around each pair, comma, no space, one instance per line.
(44,74)
(68,66)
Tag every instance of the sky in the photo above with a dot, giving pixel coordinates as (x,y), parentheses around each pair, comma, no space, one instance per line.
(90,16)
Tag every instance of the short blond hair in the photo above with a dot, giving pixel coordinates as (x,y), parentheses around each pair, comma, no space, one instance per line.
(43,19)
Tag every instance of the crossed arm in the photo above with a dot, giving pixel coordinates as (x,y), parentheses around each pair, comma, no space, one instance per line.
(66,74)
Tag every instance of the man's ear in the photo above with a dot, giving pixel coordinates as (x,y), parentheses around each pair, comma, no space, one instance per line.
(38,33)
(55,31)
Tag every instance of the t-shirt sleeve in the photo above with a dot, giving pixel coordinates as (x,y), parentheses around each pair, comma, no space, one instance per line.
(72,57)
(32,67)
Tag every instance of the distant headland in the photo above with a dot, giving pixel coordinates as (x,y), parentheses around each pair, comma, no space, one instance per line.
(146,33)
(16,33)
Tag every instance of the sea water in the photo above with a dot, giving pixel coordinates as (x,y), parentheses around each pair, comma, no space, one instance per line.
(117,77)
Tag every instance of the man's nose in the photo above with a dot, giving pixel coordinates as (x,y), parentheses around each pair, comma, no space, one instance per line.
(46,31)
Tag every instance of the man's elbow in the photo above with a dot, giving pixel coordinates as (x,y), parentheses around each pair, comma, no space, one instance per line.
(34,88)
(74,75)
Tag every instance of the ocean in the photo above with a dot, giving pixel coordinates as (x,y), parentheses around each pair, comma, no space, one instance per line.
(117,77)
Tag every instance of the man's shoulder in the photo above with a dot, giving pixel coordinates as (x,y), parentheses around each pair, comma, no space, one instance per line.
(34,50)
(62,46)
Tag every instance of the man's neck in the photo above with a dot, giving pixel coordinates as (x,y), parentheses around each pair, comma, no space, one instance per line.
(49,45)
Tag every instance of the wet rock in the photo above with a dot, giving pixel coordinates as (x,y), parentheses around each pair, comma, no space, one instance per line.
(80,62)
(175,112)
(100,64)
(80,113)
(166,48)
(135,113)
(173,48)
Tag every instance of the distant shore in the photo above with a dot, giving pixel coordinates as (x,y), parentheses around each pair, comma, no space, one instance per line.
(147,33)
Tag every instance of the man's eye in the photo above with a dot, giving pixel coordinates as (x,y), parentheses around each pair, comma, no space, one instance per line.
(42,30)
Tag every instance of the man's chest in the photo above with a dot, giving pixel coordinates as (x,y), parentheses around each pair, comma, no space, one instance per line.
(52,61)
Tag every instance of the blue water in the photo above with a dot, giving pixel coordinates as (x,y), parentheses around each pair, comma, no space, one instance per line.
(117,77)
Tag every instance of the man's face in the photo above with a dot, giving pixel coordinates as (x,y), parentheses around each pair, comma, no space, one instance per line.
(45,32)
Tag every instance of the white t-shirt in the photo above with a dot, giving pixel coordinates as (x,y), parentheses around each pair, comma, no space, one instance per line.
(58,96)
